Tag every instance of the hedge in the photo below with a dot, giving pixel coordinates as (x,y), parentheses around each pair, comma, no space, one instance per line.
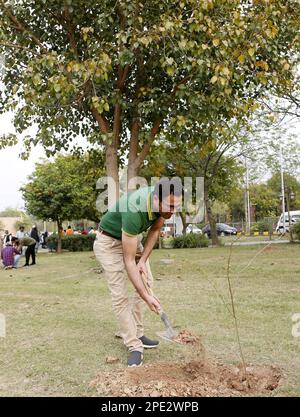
(296,230)
(73,243)
(190,240)
(262,226)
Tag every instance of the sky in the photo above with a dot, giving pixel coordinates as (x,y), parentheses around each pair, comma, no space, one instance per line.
(14,171)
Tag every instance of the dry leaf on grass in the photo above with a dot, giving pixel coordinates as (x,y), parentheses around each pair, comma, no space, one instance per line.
(111,359)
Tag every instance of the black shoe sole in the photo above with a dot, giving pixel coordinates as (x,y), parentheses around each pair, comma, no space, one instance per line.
(134,366)
(150,346)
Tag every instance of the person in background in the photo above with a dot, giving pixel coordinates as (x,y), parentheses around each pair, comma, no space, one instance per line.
(84,232)
(44,239)
(35,235)
(92,231)
(10,256)
(6,238)
(21,232)
(61,232)
(30,251)
(69,231)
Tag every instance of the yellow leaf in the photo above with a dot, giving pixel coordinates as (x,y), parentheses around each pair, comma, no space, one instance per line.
(225,71)
(251,51)
(214,79)
(216,42)
(286,66)
(182,44)
(241,59)
(144,40)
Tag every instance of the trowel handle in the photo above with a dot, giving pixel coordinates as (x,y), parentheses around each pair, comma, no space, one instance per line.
(148,288)
(146,284)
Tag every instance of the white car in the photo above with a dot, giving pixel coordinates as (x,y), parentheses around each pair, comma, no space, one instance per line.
(295,217)
(192,228)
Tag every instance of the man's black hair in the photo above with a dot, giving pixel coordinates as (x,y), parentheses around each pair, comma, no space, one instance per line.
(165,187)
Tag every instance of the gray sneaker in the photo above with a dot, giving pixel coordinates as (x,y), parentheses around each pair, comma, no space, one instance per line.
(148,343)
(135,359)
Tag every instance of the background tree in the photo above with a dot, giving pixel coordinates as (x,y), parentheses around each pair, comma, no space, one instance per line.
(118,72)
(11,212)
(265,201)
(291,188)
(63,190)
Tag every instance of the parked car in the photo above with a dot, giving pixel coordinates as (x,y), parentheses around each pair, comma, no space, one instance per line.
(222,230)
(192,228)
(165,231)
(295,217)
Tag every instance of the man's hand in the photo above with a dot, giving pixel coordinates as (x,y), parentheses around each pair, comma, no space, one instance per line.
(153,304)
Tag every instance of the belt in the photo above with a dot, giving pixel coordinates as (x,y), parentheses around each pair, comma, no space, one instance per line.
(108,234)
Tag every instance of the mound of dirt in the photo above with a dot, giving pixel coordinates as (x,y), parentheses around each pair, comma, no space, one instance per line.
(187,338)
(195,378)
(201,377)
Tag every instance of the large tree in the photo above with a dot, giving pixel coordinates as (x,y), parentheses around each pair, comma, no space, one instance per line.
(117,72)
(64,189)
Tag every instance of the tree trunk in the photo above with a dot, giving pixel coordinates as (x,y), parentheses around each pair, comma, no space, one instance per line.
(184,224)
(137,154)
(59,242)
(211,219)
(112,167)
(132,169)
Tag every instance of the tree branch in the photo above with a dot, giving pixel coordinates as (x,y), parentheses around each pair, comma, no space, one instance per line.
(102,122)
(70,31)
(22,27)
(18,46)
(146,147)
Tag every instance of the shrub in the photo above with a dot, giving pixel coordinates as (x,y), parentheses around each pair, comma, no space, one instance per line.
(73,243)
(190,241)
(261,226)
(296,230)
(168,242)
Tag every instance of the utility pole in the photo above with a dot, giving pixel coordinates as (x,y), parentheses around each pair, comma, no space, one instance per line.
(247,200)
(282,188)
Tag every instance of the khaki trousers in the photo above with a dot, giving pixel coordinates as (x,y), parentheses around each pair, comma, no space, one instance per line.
(109,252)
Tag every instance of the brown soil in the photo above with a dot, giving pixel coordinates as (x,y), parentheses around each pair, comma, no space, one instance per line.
(187,338)
(201,377)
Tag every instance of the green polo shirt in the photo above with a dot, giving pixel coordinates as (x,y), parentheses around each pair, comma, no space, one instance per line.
(132,214)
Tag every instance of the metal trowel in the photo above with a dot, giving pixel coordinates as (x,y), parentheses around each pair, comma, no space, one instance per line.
(169,332)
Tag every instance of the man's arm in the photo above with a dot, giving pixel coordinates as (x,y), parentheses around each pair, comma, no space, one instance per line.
(129,244)
(16,250)
(152,237)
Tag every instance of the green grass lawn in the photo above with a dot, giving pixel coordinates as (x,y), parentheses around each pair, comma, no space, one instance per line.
(60,326)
